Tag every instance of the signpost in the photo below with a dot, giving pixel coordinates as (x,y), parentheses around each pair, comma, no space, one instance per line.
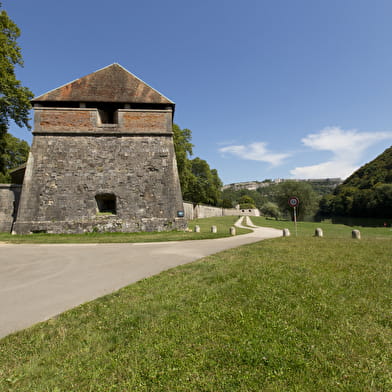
(294,202)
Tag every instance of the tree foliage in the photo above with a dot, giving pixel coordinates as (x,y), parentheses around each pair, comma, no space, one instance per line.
(246,202)
(378,171)
(270,209)
(308,199)
(15,154)
(367,193)
(204,184)
(234,196)
(199,183)
(14,98)
(183,149)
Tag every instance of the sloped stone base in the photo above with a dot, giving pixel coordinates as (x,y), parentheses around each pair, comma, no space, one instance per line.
(109,224)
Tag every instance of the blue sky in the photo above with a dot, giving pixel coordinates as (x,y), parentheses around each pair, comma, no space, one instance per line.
(270,89)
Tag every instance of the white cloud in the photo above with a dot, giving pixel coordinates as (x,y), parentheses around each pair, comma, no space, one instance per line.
(255,152)
(330,169)
(347,147)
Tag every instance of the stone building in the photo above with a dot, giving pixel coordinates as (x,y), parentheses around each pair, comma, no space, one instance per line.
(102,159)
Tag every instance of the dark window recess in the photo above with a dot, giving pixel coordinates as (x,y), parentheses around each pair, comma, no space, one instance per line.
(107,111)
(106,203)
(107,116)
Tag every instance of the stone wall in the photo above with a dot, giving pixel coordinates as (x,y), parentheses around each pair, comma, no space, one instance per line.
(203,211)
(74,160)
(188,211)
(9,199)
(243,212)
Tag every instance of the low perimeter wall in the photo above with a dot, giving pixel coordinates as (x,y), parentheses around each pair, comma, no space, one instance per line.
(201,211)
(9,199)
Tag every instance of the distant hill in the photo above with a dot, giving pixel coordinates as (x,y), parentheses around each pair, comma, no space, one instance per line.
(367,193)
(377,171)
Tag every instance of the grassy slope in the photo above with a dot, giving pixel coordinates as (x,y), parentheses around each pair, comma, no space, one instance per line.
(223,224)
(289,314)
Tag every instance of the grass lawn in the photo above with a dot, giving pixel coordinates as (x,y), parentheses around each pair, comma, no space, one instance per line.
(223,224)
(288,314)
(329,230)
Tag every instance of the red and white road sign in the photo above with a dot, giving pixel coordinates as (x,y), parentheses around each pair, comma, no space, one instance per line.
(293,201)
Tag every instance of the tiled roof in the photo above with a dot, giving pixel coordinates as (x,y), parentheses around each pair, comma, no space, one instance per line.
(110,84)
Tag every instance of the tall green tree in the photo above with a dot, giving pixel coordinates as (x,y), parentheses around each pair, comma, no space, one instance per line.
(308,199)
(246,201)
(199,183)
(15,154)
(184,149)
(270,209)
(204,184)
(14,98)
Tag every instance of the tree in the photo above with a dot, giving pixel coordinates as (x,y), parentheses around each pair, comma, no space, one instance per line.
(15,154)
(325,206)
(343,201)
(366,193)
(234,196)
(199,183)
(226,203)
(14,98)
(308,199)
(183,149)
(382,201)
(246,202)
(270,209)
(204,184)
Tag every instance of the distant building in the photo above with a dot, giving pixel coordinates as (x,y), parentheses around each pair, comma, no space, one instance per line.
(250,185)
(253,185)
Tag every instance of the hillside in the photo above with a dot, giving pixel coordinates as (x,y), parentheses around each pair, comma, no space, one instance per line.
(379,170)
(366,193)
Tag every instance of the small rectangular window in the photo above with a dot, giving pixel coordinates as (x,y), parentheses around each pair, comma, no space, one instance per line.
(108,116)
(106,203)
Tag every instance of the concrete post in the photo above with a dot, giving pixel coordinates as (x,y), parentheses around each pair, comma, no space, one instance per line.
(214,229)
(197,229)
(232,230)
(286,233)
(356,234)
(318,232)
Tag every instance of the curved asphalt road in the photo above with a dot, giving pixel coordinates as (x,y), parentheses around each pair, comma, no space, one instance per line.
(38,282)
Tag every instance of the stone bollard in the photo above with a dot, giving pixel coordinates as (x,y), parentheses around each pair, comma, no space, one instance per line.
(286,233)
(318,232)
(232,230)
(356,234)
(214,229)
(197,229)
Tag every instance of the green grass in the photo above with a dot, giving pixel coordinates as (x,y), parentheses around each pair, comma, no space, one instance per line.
(329,230)
(223,224)
(288,314)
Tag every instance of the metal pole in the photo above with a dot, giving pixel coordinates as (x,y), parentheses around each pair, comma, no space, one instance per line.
(295,220)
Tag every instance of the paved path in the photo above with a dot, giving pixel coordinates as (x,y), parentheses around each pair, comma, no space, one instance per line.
(38,282)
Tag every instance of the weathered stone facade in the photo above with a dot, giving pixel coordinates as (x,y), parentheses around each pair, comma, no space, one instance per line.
(90,172)
(9,200)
